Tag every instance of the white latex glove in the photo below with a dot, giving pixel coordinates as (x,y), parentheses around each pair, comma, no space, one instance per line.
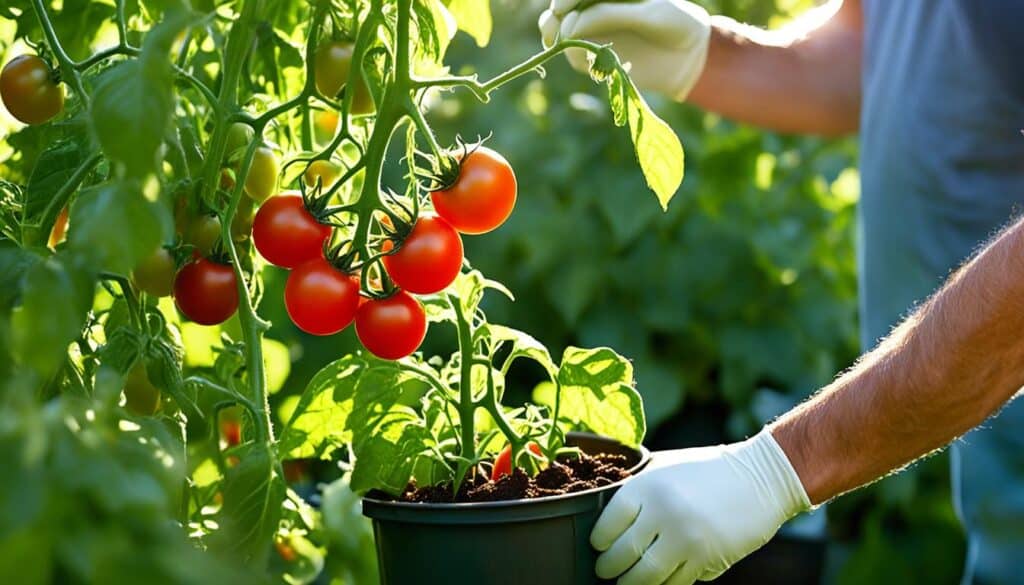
(695,512)
(665,41)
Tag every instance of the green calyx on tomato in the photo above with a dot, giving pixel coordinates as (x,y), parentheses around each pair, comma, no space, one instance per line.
(480,196)
(30,90)
(391,328)
(332,65)
(428,259)
(206,291)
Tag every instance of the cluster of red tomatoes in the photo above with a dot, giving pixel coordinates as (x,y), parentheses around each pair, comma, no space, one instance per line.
(323,299)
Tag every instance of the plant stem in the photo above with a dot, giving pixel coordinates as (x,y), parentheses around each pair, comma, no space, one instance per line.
(466,406)
(67,66)
(239,40)
(482,90)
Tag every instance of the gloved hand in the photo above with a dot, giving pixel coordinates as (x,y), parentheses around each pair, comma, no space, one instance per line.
(665,41)
(695,512)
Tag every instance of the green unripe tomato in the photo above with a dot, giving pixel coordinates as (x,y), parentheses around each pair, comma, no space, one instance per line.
(154,275)
(204,233)
(140,395)
(261,182)
(239,137)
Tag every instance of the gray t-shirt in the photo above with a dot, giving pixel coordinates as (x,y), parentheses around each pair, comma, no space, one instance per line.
(942,169)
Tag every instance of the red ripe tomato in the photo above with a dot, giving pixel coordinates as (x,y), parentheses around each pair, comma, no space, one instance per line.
(59,230)
(206,292)
(231,430)
(503,462)
(482,197)
(286,234)
(391,328)
(321,299)
(430,257)
(28,90)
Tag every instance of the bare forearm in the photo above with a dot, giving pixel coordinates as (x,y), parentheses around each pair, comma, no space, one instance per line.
(805,78)
(942,372)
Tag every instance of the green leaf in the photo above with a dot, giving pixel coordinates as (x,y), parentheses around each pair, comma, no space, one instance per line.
(123,348)
(474,18)
(14,263)
(163,366)
(657,147)
(318,425)
(523,345)
(595,387)
(385,459)
(116,226)
(252,493)
(55,167)
(133,101)
(56,297)
(435,27)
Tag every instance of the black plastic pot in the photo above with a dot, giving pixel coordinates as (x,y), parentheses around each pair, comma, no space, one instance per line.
(542,541)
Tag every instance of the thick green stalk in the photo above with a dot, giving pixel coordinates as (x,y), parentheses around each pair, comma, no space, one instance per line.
(239,40)
(466,406)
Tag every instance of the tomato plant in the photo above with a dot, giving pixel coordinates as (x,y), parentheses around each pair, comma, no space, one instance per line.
(180,123)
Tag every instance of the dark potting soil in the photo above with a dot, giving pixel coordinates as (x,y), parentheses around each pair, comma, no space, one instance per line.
(567,476)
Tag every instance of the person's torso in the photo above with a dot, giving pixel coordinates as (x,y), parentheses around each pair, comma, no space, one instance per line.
(942,155)
(942,169)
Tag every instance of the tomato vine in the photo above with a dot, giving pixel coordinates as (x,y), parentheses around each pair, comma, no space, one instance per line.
(189,156)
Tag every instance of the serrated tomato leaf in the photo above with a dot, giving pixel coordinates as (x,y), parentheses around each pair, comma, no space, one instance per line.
(115,225)
(474,18)
(658,149)
(596,393)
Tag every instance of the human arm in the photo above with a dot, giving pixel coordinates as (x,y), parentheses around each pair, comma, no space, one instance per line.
(950,365)
(954,362)
(803,77)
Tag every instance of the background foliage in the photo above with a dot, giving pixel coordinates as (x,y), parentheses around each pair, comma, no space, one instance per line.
(734,305)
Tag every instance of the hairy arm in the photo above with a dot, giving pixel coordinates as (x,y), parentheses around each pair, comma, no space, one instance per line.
(943,371)
(802,78)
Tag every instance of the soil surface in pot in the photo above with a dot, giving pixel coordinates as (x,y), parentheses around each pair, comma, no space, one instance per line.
(569,475)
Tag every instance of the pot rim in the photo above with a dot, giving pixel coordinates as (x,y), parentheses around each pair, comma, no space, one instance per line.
(645,458)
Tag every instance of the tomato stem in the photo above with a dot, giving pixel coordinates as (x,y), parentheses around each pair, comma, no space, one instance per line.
(466,405)
(67,66)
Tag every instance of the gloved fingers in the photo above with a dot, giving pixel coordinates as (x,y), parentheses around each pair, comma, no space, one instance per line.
(686,574)
(612,18)
(578,58)
(654,567)
(563,7)
(616,518)
(629,547)
(548,25)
